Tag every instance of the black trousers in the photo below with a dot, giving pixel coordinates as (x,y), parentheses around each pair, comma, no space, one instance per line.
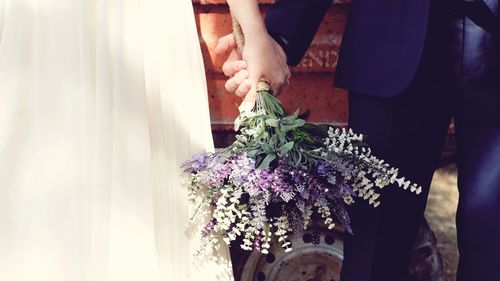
(459,78)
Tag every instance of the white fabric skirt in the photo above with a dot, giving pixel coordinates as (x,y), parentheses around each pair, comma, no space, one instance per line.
(100,103)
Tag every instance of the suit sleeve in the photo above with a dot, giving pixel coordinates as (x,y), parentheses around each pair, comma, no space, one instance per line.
(293,24)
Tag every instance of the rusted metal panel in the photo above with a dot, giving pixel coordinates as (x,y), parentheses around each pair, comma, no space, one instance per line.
(322,55)
(327,104)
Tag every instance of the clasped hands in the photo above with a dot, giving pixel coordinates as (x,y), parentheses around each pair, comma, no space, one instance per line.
(262,59)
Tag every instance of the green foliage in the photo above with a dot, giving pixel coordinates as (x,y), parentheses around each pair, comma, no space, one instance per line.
(269,133)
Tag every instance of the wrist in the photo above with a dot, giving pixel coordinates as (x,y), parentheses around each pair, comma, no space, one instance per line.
(256,33)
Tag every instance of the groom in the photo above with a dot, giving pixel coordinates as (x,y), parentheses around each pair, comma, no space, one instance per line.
(410,67)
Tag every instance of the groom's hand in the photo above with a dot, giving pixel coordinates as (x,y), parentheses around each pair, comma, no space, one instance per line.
(263,59)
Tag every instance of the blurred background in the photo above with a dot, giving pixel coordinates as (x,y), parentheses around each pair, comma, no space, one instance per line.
(311,87)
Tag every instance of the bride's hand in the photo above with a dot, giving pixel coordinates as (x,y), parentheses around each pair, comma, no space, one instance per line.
(234,67)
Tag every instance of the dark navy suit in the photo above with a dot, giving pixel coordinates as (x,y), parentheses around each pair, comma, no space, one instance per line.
(410,67)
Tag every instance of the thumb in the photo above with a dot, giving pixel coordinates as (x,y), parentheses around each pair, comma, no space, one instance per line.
(225,44)
(248,103)
(251,97)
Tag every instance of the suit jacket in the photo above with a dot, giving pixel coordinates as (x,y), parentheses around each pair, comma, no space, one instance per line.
(382,45)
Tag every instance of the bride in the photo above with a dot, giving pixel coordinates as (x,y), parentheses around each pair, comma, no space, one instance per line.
(100,103)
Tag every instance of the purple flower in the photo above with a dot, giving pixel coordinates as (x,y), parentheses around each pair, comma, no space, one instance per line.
(242,170)
(258,183)
(208,228)
(342,216)
(257,243)
(264,179)
(197,163)
(258,209)
(219,173)
(281,184)
(322,169)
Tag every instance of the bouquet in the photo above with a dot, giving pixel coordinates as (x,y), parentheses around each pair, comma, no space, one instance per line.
(280,174)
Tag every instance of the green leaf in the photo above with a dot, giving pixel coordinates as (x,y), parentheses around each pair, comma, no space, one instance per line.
(267,147)
(273,122)
(299,123)
(289,120)
(271,104)
(242,138)
(284,149)
(253,153)
(267,161)
(286,128)
(273,140)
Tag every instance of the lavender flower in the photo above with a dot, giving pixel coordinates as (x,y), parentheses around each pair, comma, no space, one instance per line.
(242,169)
(208,228)
(219,173)
(197,163)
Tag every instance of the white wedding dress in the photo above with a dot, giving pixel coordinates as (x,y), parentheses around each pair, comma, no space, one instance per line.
(100,103)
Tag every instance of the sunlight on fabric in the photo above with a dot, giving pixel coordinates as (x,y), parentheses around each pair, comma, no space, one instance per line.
(101,103)
(2,10)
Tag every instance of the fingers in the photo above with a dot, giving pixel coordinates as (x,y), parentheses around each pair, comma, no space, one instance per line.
(225,44)
(244,77)
(283,81)
(249,101)
(288,74)
(278,82)
(231,67)
(244,88)
(276,89)
(249,88)
(233,64)
(233,83)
